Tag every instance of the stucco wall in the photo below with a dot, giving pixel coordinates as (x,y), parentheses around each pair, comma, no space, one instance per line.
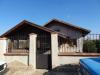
(22,59)
(63,60)
(3,45)
(2,48)
(9,59)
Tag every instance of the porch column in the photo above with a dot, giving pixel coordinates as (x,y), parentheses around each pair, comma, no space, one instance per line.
(54,50)
(32,50)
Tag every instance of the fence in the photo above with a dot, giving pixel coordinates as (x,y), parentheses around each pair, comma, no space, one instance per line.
(43,44)
(18,44)
(89,43)
(92,43)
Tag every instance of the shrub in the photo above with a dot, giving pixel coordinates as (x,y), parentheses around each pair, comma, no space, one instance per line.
(98,45)
(89,46)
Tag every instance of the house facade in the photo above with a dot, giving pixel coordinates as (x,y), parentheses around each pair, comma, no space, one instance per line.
(42,46)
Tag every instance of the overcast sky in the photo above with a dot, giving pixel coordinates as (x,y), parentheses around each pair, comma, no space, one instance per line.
(84,13)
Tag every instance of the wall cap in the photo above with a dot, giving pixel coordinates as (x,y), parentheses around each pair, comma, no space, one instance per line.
(32,34)
(3,38)
(78,54)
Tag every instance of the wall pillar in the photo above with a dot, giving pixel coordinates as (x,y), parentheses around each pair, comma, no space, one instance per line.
(3,47)
(54,50)
(32,50)
(80,44)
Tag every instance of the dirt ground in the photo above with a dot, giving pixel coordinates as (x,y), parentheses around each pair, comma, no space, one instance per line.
(17,68)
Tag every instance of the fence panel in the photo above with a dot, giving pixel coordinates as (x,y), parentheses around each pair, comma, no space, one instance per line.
(88,44)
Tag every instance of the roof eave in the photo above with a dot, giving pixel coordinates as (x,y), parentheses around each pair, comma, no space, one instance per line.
(32,24)
(86,31)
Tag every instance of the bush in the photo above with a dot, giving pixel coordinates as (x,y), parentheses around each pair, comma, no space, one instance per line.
(89,46)
(98,45)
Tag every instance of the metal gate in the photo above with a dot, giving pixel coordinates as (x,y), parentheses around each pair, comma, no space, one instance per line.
(43,54)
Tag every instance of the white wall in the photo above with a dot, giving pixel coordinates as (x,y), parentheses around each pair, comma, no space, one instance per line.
(3,45)
(22,59)
(54,49)
(9,59)
(63,60)
(32,50)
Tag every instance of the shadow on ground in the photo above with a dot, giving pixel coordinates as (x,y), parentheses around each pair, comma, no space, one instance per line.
(4,72)
(18,68)
(64,70)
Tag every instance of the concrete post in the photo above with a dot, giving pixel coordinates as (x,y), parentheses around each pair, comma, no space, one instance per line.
(3,47)
(32,50)
(54,50)
(81,44)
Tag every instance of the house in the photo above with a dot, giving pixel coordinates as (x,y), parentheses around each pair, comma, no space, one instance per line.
(43,47)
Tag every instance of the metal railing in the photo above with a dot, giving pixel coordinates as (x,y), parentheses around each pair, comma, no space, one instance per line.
(43,44)
(19,44)
(91,43)
(88,44)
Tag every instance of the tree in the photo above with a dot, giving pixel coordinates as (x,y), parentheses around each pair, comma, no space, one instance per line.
(89,46)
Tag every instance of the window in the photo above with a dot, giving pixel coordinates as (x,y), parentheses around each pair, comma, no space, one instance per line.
(23,44)
(20,44)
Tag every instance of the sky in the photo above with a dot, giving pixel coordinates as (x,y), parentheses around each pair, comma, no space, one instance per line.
(83,13)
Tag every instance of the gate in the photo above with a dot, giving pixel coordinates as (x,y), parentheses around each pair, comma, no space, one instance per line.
(43,54)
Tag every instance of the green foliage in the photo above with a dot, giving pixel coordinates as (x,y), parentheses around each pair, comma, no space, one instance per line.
(89,46)
(98,45)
